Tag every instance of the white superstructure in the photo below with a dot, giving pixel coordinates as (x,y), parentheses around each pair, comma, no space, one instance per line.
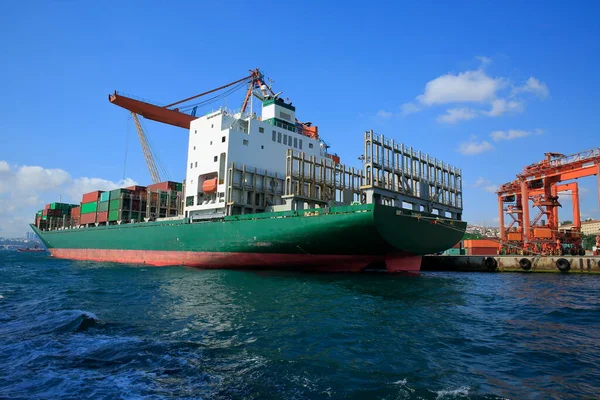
(222,137)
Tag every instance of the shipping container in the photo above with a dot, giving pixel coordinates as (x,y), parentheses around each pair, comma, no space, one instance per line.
(87,208)
(91,196)
(40,213)
(75,211)
(103,216)
(167,185)
(47,207)
(45,212)
(88,218)
(62,206)
(54,213)
(118,193)
(103,206)
(120,203)
(105,196)
(472,243)
(137,189)
(119,215)
(482,251)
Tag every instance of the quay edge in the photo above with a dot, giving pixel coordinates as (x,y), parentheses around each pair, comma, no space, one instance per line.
(527,264)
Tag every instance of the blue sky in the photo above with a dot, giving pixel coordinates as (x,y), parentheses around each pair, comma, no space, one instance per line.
(439,77)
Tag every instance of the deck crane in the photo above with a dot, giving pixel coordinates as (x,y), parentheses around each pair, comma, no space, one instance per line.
(173,116)
(539,183)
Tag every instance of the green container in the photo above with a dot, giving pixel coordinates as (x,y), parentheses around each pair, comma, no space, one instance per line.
(89,207)
(116,194)
(179,187)
(103,206)
(118,215)
(61,206)
(104,196)
(44,217)
(40,213)
(120,203)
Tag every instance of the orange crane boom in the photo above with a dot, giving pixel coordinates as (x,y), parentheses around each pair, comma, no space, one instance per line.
(172,116)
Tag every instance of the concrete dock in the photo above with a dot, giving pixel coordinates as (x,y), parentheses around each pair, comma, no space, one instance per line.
(562,264)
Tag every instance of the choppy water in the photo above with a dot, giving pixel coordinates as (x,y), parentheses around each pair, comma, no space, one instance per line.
(79,329)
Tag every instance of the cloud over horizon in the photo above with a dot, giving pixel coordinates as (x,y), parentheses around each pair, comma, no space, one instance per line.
(24,189)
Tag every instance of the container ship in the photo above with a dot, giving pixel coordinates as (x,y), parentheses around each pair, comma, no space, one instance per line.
(262,190)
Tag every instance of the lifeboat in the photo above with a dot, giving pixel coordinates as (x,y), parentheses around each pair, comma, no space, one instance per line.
(210,186)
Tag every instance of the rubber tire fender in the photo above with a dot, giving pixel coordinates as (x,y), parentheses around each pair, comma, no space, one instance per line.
(525,264)
(490,263)
(563,265)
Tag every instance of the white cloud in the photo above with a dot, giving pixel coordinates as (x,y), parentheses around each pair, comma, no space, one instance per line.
(409,108)
(533,86)
(486,185)
(469,86)
(453,115)
(488,95)
(473,147)
(513,134)
(26,189)
(384,114)
(501,106)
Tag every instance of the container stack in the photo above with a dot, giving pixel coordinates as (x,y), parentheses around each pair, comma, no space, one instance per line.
(103,204)
(89,207)
(164,199)
(131,204)
(127,205)
(54,215)
(76,216)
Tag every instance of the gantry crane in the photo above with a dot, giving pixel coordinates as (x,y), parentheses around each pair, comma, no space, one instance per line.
(173,116)
(539,184)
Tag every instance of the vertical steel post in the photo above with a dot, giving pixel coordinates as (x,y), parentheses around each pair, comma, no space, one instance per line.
(525,205)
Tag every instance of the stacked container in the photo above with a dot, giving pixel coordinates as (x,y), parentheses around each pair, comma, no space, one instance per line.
(103,204)
(164,199)
(54,215)
(89,207)
(76,216)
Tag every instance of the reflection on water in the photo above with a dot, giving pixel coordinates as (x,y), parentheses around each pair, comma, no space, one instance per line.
(76,329)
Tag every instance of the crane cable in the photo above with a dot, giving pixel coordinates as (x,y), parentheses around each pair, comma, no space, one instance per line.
(214,98)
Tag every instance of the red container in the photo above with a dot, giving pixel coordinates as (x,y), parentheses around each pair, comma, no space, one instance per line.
(87,218)
(103,216)
(91,196)
(54,213)
(75,212)
(75,221)
(482,251)
(45,211)
(167,185)
(137,189)
(47,207)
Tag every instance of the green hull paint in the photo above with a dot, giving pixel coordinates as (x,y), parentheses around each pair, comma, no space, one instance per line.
(350,230)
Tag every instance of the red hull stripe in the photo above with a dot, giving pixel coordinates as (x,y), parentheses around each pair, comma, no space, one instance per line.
(325,262)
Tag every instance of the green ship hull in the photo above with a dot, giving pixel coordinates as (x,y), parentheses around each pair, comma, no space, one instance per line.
(347,238)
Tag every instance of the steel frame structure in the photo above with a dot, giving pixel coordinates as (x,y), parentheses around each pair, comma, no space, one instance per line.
(538,186)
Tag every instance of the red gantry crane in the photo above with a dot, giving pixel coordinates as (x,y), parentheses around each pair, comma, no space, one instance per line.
(538,186)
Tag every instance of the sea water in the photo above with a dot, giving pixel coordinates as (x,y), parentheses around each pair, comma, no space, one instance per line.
(73,329)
